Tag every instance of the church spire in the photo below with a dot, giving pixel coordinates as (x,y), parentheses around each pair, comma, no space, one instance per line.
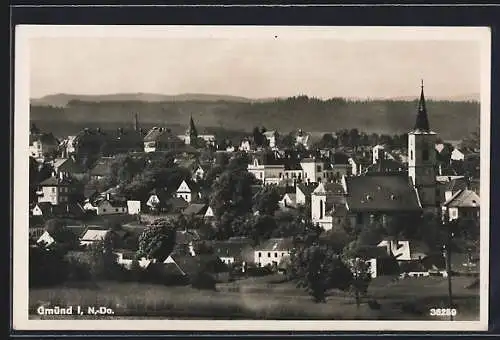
(422,122)
(192,129)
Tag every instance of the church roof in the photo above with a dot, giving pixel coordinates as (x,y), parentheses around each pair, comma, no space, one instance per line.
(422,122)
(381,193)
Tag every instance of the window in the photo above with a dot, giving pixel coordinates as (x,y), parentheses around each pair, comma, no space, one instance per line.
(116,209)
(321,210)
(286,174)
(425,155)
(260,254)
(103,209)
(318,168)
(280,174)
(282,254)
(268,254)
(411,155)
(53,189)
(275,254)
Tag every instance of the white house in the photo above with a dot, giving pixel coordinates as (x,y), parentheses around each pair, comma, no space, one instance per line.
(187,192)
(462,204)
(209,213)
(320,207)
(288,201)
(267,173)
(125,257)
(245,145)
(111,207)
(46,239)
(272,137)
(302,138)
(272,251)
(133,207)
(457,155)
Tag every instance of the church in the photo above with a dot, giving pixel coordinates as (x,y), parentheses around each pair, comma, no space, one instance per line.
(386,196)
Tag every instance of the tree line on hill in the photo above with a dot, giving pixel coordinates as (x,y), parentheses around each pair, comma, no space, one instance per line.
(311,114)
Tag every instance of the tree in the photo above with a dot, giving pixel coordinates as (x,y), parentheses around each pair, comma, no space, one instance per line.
(266,201)
(288,141)
(102,261)
(318,269)
(157,241)
(361,278)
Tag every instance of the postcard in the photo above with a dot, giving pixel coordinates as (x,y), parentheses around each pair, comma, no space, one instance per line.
(270,178)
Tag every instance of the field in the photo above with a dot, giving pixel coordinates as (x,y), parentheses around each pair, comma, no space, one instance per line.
(262,298)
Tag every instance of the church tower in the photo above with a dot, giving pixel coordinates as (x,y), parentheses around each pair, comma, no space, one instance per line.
(422,157)
(191,133)
(136,122)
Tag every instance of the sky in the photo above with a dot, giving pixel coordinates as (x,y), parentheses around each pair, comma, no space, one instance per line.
(253,67)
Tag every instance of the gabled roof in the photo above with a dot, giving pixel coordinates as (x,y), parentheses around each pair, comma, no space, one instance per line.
(276,244)
(177,203)
(56,181)
(381,193)
(95,234)
(456,184)
(102,167)
(195,209)
(229,249)
(161,134)
(45,207)
(463,199)
(190,183)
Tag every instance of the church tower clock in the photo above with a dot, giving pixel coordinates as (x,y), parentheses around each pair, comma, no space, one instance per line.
(422,157)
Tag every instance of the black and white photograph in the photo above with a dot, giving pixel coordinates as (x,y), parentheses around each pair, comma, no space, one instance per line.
(251,178)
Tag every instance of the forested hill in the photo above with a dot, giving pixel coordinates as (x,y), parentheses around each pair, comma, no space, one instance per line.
(452,120)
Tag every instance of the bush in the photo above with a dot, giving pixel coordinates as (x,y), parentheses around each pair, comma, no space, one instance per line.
(203,280)
(46,267)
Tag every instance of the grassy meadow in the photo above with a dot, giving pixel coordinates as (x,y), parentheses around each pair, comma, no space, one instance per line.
(261,298)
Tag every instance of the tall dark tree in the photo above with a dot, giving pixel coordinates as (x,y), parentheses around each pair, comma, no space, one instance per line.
(157,241)
(266,201)
(318,269)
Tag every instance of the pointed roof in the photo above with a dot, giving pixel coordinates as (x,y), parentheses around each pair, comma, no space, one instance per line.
(422,122)
(192,128)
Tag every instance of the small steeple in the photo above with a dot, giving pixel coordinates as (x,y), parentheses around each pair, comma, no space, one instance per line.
(422,122)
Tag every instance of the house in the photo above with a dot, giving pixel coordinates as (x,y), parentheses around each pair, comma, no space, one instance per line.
(45,239)
(303,138)
(289,200)
(101,169)
(44,209)
(269,171)
(125,257)
(326,199)
(379,261)
(57,190)
(404,250)
(358,165)
(376,197)
(133,207)
(67,167)
(157,201)
(293,169)
(464,204)
(272,137)
(110,206)
(231,252)
(209,213)
(313,169)
(188,191)
(303,193)
(272,251)
(162,139)
(457,155)
(195,209)
(176,205)
(94,234)
(42,144)
(245,145)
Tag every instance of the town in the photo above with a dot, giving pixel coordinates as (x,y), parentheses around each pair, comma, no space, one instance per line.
(349,216)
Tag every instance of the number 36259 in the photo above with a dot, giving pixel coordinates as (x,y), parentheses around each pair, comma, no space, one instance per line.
(443,312)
